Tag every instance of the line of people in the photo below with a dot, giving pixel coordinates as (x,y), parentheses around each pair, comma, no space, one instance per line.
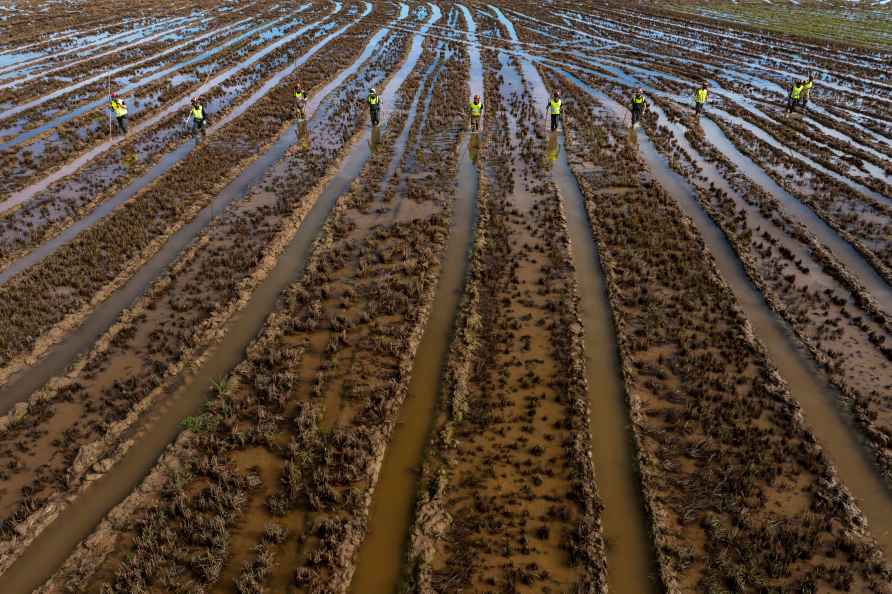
(798,96)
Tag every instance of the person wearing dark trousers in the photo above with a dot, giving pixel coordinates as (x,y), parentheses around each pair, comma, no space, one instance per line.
(197,115)
(120,110)
(638,106)
(374,102)
(794,100)
(475,110)
(554,110)
(701,96)
(301,98)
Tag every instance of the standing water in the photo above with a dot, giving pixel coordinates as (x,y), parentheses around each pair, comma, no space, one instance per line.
(631,564)
(79,519)
(807,384)
(379,562)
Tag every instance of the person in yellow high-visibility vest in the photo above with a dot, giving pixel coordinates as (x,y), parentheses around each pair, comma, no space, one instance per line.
(475,110)
(795,97)
(701,96)
(638,106)
(196,112)
(374,102)
(120,110)
(806,90)
(301,97)
(554,109)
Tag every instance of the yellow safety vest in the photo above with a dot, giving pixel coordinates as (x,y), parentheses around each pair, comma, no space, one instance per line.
(702,95)
(796,92)
(555,106)
(300,95)
(374,100)
(638,99)
(119,108)
(198,113)
(476,108)
(808,85)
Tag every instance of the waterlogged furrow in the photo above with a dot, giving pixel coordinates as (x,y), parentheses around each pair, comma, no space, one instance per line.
(154,214)
(829,311)
(126,38)
(279,582)
(89,406)
(50,110)
(864,221)
(159,37)
(178,106)
(59,214)
(62,151)
(507,498)
(738,489)
(380,558)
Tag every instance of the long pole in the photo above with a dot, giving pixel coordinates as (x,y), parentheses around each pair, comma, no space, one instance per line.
(108,89)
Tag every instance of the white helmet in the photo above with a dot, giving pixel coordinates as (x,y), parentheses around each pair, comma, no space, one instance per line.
(373,92)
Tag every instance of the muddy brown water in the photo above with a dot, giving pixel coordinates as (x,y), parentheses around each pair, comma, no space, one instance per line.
(154,37)
(631,562)
(154,433)
(104,315)
(47,553)
(379,563)
(110,40)
(380,557)
(840,248)
(808,385)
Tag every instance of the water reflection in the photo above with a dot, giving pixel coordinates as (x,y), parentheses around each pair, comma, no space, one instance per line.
(553,149)
(375,138)
(474,146)
(303,136)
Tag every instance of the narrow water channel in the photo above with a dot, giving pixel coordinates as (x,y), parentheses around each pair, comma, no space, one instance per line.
(175,106)
(380,557)
(631,562)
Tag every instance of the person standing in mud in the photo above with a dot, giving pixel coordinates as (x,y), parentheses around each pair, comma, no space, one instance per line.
(120,110)
(300,97)
(374,102)
(806,90)
(638,106)
(795,97)
(554,110)
(197,114)
(475,110)
(701,96)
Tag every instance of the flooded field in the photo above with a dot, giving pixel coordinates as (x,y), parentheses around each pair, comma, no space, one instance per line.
(296,351)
